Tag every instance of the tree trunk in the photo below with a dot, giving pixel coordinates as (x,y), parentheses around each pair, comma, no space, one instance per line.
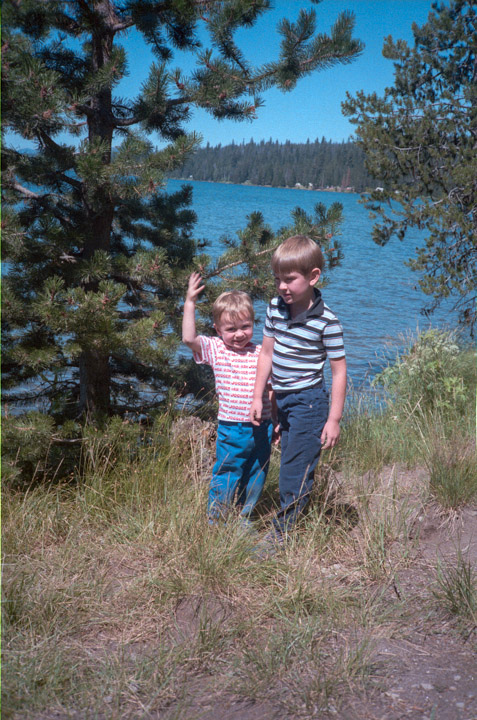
(95,375)
(95,380)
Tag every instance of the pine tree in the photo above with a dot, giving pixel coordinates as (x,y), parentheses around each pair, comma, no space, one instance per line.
(420,140)
(97,253)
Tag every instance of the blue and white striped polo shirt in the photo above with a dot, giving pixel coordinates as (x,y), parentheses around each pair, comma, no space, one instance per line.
(302,344)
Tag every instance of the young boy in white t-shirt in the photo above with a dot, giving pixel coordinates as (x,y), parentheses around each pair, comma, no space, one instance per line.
(243,449)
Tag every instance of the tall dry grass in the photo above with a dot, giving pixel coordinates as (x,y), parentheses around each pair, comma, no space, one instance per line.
(117,594)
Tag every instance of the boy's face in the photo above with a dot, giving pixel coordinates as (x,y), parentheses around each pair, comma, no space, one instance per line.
(235,331)
(296,288)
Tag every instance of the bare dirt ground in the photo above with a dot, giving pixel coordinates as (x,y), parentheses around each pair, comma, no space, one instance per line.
(429,668)
(424,664)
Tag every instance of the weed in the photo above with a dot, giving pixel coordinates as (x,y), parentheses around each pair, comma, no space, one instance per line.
(457,588)
(452,466)
(385,519)
(265,662)
(319,681)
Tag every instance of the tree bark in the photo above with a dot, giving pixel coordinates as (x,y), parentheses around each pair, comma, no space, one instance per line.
(95,382)
(95,375)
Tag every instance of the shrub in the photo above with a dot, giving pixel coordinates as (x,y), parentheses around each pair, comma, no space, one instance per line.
(432,373)
(27,449)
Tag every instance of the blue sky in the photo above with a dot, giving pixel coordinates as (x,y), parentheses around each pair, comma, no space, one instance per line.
(313,109)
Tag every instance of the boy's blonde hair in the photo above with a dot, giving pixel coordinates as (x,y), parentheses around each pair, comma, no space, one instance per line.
(234,302)
(298,253)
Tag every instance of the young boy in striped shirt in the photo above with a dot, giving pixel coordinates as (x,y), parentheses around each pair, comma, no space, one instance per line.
(243,448)
(300,333)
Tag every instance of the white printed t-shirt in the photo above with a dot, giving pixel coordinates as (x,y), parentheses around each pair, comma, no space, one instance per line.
(234,372)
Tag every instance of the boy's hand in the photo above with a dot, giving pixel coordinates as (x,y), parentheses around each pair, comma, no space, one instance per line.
(276,434)
(189,335)
(256,412)
(195,288)
(330,434)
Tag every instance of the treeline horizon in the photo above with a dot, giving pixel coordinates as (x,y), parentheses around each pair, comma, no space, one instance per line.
(319,164)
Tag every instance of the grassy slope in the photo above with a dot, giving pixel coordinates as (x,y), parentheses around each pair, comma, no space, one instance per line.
(117,594)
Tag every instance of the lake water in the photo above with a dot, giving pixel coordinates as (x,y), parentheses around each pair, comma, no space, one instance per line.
(373,293)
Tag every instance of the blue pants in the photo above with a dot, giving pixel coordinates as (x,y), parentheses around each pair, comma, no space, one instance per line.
(241,466)
(302,416)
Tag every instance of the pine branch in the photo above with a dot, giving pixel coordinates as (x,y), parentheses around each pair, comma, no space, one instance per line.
(85,109)
(217,272)
(119,27)
(124,122)
(67,23)
(25,191)
(132,314)
(65,441)
(43,200)
(48,141)
(70,181)
(173,102)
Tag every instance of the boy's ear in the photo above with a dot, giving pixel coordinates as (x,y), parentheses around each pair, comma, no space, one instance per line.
(315,275)
(216,329)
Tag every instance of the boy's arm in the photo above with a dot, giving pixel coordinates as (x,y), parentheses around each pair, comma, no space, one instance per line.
(331,431)
(276,424)
(189,335)
(264,367)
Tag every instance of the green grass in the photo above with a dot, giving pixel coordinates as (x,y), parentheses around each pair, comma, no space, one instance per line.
(456,588)
(117,593)
(452,465)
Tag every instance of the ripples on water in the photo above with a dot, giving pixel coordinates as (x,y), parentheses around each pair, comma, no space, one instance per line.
(373,293)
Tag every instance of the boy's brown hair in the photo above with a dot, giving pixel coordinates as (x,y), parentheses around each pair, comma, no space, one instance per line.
(234,302)
(298,253)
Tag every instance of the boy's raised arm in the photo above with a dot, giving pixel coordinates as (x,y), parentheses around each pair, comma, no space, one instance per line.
(264,367)
(189,335)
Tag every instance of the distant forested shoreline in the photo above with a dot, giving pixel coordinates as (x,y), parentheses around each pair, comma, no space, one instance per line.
(317,165)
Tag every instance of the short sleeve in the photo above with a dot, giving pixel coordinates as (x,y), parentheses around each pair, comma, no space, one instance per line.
(333,340)
(208,351)
(268,329)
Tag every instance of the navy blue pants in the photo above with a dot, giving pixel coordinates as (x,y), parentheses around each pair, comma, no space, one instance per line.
(241,466)
(302,415)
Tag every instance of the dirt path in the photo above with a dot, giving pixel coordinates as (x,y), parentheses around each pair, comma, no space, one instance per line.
(424,663)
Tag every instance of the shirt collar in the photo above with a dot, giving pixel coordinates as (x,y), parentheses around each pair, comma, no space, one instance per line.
(315,311)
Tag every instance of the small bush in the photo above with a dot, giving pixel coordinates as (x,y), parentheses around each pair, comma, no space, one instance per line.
(31,451)
(433,373)
(36,451)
